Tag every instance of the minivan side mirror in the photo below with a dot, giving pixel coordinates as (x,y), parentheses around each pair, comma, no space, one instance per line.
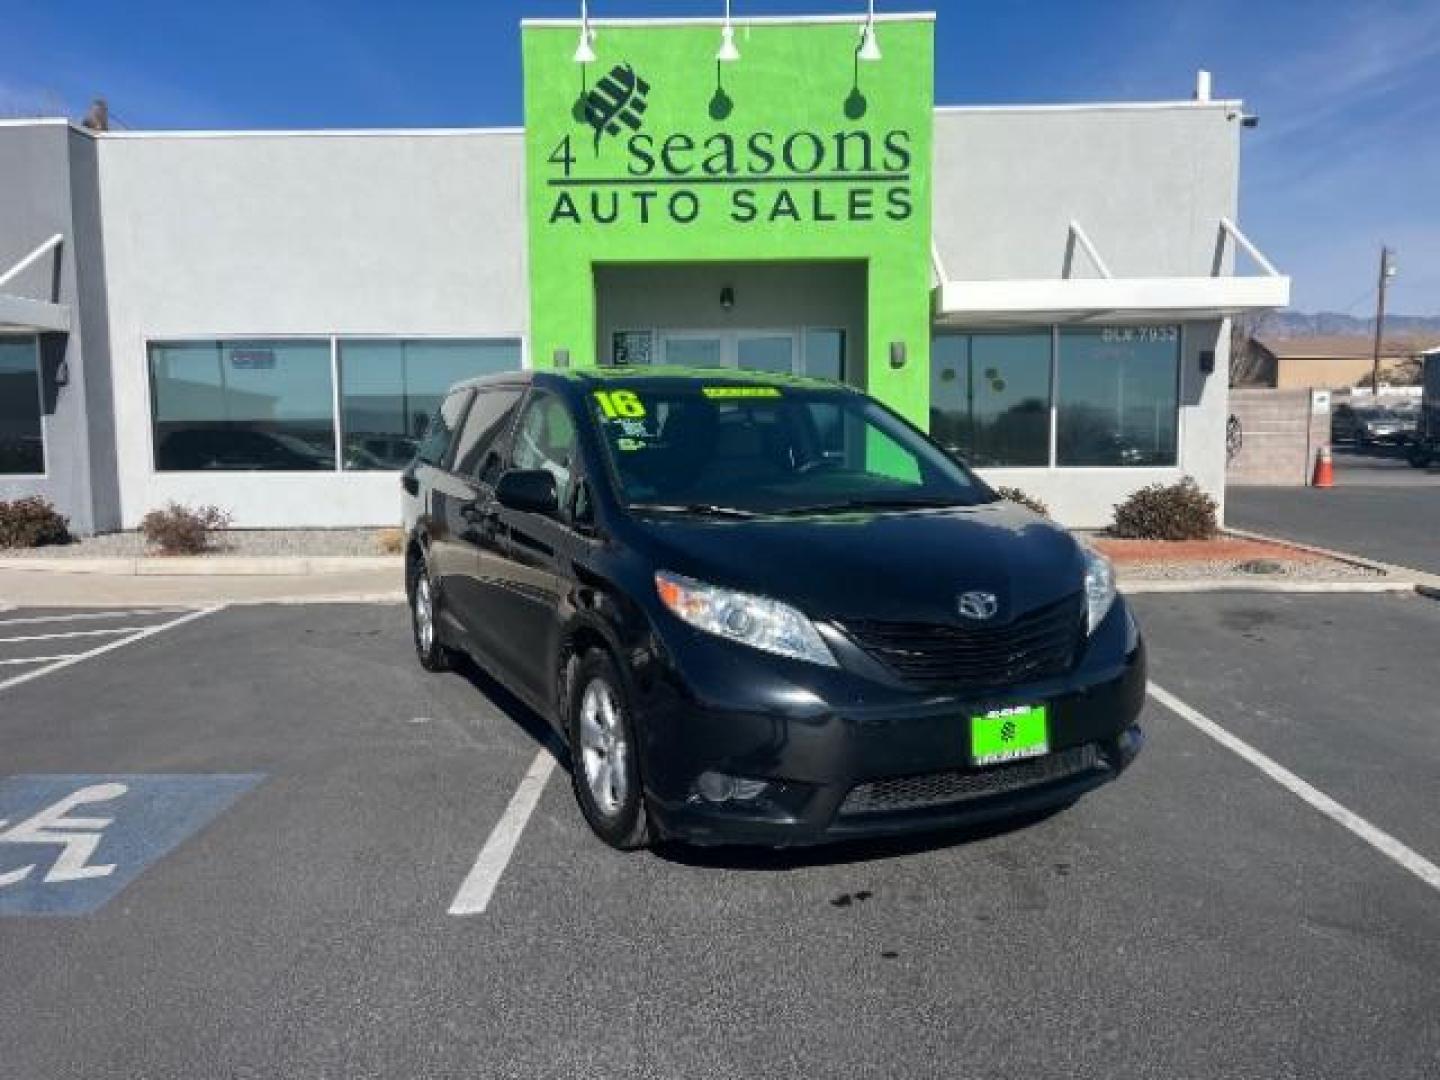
(532,491)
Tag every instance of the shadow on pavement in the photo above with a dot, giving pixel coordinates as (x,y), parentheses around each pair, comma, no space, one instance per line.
(524,717)
(845,852)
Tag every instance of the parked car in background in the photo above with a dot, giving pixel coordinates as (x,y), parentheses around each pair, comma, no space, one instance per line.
(1425,445)
(1367,426)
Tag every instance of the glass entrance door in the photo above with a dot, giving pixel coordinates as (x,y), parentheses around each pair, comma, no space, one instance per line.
(692,349)
(769,350)
(758,350)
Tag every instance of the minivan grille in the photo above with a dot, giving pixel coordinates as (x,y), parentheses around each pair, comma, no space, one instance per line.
(1039,644)
(945,788)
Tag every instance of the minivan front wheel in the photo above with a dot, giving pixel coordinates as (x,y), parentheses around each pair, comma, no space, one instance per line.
(603,766)
(433,656)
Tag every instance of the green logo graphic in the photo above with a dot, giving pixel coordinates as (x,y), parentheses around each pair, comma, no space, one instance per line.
(618,98)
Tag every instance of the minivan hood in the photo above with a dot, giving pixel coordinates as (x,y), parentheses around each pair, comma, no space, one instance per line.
(905,566)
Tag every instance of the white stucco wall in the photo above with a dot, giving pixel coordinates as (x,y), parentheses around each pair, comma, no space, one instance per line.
(1149,184)
(423,233)
(264,235)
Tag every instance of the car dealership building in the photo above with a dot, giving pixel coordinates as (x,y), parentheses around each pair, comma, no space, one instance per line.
(263,320)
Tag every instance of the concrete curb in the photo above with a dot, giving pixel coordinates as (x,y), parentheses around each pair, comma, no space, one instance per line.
(209,565)
(396,597)
(1209,585)
(1416,579)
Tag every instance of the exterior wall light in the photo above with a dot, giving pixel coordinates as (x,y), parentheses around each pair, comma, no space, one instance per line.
(727,298)
(727,52)
(869,44)
(585,48)
(897,355)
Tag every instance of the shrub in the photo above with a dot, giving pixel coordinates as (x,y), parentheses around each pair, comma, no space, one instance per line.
(1015,495)
(179,530)
(1167,512)
(390,541)
(32,522)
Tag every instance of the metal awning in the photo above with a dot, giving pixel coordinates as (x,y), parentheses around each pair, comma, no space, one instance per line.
(26,314)
(1067,299)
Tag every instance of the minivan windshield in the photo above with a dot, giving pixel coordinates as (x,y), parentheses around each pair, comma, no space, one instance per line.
(696,447)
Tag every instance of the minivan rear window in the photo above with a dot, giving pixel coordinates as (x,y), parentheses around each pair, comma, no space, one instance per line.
(485,427)
(441,431)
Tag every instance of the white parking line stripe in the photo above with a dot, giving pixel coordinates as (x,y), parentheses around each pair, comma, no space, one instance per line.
(108,647)
(72,633)
(1382,841)
(128,613)
(38,659)
(479,884)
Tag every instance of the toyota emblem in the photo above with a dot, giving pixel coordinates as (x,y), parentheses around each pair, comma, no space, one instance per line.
(979,605)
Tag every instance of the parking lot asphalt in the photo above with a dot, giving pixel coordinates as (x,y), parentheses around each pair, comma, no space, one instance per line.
(1372,466)
(1394,522)
(315,800)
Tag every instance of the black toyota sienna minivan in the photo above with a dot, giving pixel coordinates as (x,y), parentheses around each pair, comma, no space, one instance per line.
(763,609)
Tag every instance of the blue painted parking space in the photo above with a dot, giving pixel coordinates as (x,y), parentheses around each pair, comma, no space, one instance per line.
(70,843)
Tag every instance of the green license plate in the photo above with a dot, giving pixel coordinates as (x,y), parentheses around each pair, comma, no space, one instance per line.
(1009,734)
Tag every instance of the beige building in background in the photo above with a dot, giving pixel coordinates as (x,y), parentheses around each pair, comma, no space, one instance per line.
(1327,362)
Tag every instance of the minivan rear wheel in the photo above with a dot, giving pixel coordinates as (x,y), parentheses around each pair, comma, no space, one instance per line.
(424,607)
(604,769)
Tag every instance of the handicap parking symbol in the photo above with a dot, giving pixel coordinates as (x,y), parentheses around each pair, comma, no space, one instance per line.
(69,844)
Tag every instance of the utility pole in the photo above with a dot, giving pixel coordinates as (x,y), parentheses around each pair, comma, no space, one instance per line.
(1387,271)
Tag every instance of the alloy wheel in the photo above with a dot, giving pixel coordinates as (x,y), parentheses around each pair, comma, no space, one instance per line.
(604,752)
(424,614)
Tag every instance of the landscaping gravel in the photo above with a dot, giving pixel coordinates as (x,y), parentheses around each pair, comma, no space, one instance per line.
(1222,570)
(299,543)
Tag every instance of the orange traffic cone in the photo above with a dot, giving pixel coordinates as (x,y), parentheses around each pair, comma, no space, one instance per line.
(1324,469)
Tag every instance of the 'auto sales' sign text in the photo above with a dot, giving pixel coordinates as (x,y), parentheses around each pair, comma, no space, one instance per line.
(757,176)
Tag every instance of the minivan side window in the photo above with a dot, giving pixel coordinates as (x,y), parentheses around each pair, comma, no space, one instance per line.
(545,439)
(478,452)
(441,432)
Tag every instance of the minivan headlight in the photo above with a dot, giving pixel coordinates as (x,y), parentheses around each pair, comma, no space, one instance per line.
(756,621)
(1099,588)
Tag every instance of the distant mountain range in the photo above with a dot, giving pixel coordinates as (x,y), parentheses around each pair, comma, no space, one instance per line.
(1284,324)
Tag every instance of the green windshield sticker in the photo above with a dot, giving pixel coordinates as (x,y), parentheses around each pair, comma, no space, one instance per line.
(620,404)
(740,392)
(1020,731)
(631,444)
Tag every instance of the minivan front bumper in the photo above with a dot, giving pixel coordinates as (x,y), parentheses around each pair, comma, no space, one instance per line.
(758,754)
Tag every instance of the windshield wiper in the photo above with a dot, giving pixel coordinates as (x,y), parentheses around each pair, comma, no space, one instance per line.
(697,509)
(877,503)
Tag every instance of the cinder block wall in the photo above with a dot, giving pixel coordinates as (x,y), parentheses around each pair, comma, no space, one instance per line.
(1279,432)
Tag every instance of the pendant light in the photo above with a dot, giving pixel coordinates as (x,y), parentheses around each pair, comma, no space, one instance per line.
(727,53)
(869,44)
(585,48)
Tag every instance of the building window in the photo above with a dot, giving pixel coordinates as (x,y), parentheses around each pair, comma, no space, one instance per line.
(990,397)
(241,405)
(1118,396)
(825,354)
(22,435)
(390,389)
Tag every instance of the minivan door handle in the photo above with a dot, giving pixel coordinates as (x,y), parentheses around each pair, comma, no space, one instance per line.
(475,513)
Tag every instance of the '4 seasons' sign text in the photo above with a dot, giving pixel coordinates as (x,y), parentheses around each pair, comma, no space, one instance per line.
(753,177)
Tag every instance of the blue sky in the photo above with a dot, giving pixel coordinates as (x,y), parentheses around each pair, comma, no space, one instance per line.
(1347,154)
